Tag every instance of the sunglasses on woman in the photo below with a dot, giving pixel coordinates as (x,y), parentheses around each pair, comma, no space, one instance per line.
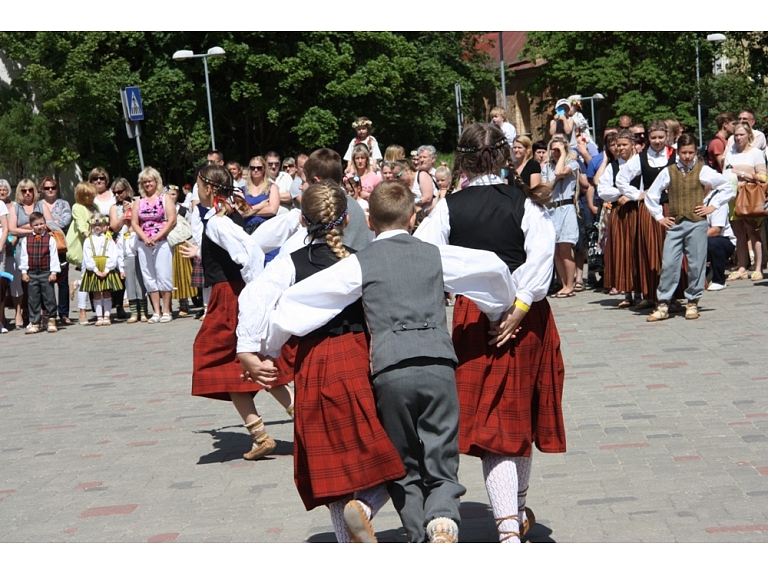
(256,168)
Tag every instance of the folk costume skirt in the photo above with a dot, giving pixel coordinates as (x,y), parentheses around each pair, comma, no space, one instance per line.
(198,278)
(92,283)
(621,266)
(286,363)
(182,276)
(216,372)
(650,246)
(339,445)
(509,397)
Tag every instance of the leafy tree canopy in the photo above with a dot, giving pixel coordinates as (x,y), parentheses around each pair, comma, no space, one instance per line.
(285,91)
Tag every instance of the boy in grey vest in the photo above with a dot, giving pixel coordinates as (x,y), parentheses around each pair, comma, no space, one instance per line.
(401,281)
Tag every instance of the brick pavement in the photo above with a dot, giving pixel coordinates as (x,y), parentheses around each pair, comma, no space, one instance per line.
(667,437)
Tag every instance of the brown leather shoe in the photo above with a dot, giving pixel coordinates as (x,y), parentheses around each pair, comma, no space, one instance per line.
(358,525)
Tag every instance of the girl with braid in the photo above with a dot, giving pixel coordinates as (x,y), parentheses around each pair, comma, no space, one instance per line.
(340,448)
(510,388)
(217,374)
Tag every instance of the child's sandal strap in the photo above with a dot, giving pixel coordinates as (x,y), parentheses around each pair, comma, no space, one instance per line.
(506,534)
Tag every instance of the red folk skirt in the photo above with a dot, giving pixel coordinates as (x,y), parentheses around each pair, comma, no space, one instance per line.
(339,445)
(510,397)
(621,267)
(286,362)
(216,370)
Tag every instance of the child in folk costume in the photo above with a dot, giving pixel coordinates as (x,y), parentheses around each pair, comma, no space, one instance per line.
(510,392)
(226,264)
(101,260)
(39,264)
(362,126)
(401,282)
(340,447)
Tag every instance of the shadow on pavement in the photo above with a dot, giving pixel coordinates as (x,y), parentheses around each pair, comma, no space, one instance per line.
(230,446)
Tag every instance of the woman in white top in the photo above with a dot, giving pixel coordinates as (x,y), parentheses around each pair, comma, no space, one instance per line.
(419,181)
(105,199)
(5,190)
(745,163)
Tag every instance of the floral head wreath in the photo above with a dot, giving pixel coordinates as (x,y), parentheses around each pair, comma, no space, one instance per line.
(473,149)
(98,219)
(362,124)
(171,187)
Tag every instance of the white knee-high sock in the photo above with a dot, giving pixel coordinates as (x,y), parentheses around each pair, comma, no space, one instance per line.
(82,300)
(97,305)
(337,519)
(206,296)
(523,465)
(501,482)
(373,499)
(107,303)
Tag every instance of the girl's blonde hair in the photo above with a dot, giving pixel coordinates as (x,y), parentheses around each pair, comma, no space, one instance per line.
(324,207)
(394,153)
(85,193)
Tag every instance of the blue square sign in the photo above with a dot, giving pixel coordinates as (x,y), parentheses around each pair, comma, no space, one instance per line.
(132,106)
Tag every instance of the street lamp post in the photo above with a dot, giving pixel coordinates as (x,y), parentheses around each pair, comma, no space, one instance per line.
(710,38)
(215,51)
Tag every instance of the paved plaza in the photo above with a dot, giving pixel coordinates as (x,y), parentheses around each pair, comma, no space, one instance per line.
(667,437)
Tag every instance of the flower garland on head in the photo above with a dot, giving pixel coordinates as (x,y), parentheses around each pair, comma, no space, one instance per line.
(473,149)
(362,124)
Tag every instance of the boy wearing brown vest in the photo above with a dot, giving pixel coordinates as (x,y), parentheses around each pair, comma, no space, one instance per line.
(688,182)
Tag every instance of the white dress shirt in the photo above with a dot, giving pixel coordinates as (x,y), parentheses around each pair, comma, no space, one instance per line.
(707,176)
(54,255)
(270,312)
(530,282)
(632,169)
(227,234)
(720,218)
(605,188)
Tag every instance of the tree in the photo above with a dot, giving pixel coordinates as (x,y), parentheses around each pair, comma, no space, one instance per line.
(289,92)
(647,75)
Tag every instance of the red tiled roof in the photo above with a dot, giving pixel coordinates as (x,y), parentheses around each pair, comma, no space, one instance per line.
(513,45)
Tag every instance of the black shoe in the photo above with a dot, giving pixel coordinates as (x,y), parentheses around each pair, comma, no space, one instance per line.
(121,313)
(200,314)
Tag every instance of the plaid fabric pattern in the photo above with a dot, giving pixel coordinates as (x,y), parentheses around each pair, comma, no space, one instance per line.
(287,360)
(509,398)
(216,370)
(339,444)
(39,252)
(198,277)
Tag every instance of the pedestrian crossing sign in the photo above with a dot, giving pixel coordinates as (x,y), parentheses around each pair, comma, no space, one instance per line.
(132,106)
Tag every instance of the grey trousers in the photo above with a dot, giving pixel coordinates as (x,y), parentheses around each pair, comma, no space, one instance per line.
(40,289)
(418,407)
(691,238)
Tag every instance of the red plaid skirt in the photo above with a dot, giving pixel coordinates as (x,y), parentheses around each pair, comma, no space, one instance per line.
(339,444)
(509,398)
(216,370)
(286,362)
(198,278)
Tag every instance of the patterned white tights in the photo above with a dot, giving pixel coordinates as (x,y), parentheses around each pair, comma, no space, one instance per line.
(506,479)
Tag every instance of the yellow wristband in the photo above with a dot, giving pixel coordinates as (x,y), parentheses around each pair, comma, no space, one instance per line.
(522,305)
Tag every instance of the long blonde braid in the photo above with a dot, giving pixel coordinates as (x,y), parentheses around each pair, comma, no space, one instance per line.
(324,207)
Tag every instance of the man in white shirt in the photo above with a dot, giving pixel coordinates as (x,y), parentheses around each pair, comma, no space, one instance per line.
(281,179)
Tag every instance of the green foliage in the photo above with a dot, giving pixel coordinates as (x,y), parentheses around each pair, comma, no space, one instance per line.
(290,92)
(647,75)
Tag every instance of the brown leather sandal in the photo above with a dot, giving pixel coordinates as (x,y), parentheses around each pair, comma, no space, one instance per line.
(507,534)
(530,521)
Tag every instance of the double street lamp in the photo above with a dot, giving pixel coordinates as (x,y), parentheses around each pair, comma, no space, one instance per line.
(185,55)
(710,38)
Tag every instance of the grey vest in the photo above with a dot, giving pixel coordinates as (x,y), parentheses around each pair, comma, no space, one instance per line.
(404,301)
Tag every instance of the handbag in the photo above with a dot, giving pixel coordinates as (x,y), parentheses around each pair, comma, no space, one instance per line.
(181,232)
(61,241)
(750,199)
